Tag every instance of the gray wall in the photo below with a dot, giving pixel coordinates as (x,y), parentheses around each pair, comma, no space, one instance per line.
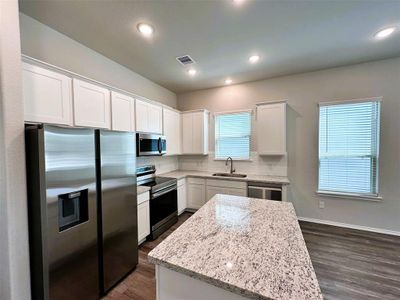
(14,258)
(44,43)
(303,92)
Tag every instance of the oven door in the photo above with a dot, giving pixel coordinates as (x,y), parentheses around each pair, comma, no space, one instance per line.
(163,207)
(150,144)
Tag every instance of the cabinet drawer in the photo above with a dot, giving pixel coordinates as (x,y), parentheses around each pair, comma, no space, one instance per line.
(196,180)
(227,183)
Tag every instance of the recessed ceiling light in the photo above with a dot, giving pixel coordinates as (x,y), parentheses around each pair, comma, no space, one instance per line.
(192,72)
(254,58)
(145,29)
(228,81)
(384,33)
(238,2)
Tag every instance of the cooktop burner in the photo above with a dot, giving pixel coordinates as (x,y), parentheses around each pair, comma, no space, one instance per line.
(158,180)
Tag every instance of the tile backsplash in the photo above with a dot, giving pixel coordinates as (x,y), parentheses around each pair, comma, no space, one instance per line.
(260,165)
(163,163)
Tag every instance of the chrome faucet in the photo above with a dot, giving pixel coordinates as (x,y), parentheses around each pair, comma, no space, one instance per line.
(226,163)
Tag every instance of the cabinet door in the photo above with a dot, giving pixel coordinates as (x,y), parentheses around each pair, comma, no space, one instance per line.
(196,196)
(143,212)
(121,106)
(182,198)
(141,116)
(213,190)
(154,118)
(236,192)
(187,133)
(171,125)
(271,129)
(91,105)
(198,133)
(47,95)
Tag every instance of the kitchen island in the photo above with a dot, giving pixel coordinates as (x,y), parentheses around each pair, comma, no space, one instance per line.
(236,248)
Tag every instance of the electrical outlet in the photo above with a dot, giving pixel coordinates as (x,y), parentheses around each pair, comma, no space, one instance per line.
(321,204)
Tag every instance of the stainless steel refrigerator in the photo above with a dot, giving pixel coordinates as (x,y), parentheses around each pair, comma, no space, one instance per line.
(82,210)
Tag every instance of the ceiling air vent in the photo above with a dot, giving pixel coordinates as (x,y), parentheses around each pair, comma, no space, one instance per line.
(185,60)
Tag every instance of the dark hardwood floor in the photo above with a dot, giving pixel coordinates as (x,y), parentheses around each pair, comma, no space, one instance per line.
(350,264)
(354,264)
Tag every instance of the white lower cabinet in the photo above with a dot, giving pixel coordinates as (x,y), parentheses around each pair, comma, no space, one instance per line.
(143,216)
(182,196)
(225,187)
(201,190)
(196,193)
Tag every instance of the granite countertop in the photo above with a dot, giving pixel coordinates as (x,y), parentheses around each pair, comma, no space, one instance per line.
(178,174)
(142,189)
(250,247)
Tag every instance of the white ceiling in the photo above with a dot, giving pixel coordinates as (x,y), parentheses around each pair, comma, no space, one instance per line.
(290,36)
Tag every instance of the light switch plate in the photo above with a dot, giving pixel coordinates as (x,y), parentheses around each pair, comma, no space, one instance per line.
(321,204)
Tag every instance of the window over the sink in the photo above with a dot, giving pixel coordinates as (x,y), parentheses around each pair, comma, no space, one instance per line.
(232,135)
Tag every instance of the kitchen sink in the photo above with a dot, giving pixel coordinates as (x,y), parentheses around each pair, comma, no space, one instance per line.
(230,175)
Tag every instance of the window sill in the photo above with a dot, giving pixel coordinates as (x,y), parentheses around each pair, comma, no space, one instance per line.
(374,198)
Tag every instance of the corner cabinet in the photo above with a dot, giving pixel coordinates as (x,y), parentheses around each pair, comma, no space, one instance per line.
(172,131)
(122,112)
(195,132)
(91,105)
(271,128)
(47,95)
(148,117)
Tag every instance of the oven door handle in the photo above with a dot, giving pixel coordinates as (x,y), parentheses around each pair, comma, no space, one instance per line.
(164,191)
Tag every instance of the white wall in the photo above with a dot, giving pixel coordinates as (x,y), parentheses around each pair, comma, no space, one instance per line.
(303,92)
(44,43)
(14,257)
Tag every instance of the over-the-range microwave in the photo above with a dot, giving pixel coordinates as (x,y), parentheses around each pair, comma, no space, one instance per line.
(150,144)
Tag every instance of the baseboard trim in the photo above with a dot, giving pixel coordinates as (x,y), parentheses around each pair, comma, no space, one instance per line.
(351,226)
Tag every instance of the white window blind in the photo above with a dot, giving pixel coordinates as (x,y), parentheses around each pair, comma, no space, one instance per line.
(349,147)
(232,135)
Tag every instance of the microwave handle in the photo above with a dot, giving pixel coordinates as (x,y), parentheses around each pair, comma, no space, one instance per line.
(159,146)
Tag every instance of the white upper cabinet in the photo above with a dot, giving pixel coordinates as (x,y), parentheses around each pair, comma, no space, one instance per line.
(122,112)
(172,130)
(47,95)
(148,117)
(195,132)
(271,129)
(91,105)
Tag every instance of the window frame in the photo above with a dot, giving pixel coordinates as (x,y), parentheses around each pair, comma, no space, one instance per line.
(349,195)
(250,112)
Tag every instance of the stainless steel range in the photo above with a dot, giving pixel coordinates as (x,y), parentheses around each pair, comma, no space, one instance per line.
(163,199)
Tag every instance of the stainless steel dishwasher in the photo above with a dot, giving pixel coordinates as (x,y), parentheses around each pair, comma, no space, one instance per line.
(268,191)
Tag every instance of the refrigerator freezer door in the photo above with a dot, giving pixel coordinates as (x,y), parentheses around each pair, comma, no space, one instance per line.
(62,213)
(116,162)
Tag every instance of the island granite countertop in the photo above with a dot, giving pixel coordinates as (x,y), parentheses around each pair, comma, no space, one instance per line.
(179,174)
(250,247)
